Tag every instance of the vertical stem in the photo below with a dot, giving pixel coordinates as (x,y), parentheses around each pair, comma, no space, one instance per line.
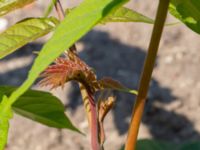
(146,75)
(91,111)
(94,124)
(59,10)
(61,15)
(92,105)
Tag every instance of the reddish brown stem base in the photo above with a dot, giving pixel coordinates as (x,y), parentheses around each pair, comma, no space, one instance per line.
(94,124)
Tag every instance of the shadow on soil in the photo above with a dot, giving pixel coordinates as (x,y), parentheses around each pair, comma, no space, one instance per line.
(16,75)
(112,58)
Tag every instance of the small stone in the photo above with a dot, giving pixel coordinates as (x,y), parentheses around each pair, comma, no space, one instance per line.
(168,59)
(3,24)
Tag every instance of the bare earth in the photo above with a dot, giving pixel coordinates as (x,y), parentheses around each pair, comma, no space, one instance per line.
(118,50)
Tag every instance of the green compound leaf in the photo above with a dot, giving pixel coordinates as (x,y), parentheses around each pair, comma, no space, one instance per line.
(24,32)
(188,11)
(40,106)
(8,5)
(124,14)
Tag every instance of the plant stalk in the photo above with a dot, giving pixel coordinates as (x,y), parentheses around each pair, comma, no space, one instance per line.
(59,10)
(94,124)
(92,114)
(146,75)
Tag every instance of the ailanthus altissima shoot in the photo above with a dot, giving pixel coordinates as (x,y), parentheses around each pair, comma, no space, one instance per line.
(71,67)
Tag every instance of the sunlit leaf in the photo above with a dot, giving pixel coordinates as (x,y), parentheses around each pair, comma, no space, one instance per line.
(124,14)
(24,32)
(188,11)
(8,5)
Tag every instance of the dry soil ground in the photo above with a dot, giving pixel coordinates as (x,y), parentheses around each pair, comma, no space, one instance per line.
(118,50)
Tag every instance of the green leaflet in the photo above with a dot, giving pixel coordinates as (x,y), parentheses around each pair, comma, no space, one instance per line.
(8,5)
(40,106)
(109,83)
(188,11)
(23,32)
(124,14)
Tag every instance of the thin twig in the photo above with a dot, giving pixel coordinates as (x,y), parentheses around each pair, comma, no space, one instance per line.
(146,75)
(61,14)
(59,10)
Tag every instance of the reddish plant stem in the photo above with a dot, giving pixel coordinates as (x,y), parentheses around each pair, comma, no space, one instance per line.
(94,123)
(146,75)
(59,10)
(61,16)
